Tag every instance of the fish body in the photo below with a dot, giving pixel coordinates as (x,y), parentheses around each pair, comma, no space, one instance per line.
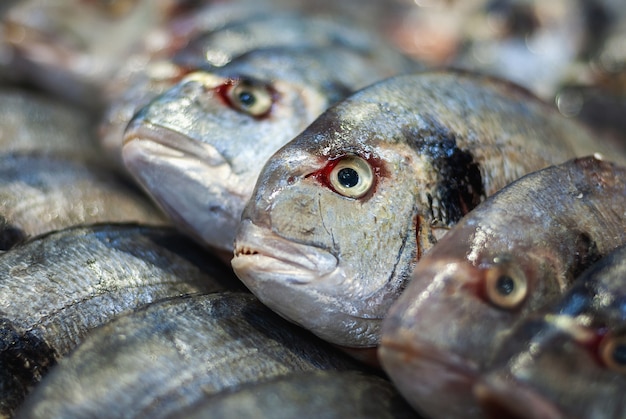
(567,360)
(55,288)
(519,250)
(198,148)
(217,48)
(341,214)
(42,193)
(173,354)
(329,394)
(33,122)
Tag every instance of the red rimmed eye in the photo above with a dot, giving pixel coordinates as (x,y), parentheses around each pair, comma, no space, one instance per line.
(248,96)
(350,176)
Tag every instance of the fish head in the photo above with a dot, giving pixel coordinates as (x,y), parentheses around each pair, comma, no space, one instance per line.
(329,236)
(464,297)
(566,367)
(198,148)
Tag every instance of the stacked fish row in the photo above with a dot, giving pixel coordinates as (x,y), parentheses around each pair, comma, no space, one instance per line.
(379,171)
(141,320)
(492,296)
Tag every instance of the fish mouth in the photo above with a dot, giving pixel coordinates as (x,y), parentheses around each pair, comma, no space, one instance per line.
(424,355)
(168,143)
(425,374)
(262,255)
(191,182)
(499,397)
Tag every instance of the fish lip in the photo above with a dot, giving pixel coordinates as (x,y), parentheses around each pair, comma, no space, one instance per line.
(173,141)
(272,254)
(501,395)
(409,351)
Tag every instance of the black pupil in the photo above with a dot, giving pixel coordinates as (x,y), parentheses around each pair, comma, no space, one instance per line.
(348,177)
(505,285)
(247,98)
(619,354)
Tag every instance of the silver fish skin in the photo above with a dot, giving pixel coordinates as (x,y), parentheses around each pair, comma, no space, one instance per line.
(319,394)
(150,71)
(73,47)
(427,148)
(519,250)
(172,354)
(57,287)
(218,46)
(31,121)
(40,193)
(567,360)
(198,148)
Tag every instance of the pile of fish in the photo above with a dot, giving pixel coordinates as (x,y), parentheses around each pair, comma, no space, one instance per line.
(279,209)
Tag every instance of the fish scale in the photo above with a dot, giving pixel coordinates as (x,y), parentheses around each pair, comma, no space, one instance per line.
(57,287)
(175,353)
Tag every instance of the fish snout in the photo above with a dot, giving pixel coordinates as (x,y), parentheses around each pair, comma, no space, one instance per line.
(502,398)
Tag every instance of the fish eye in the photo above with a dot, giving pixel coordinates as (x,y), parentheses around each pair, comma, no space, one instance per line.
(250,97)
(352,177)
(506,285)
(612,352)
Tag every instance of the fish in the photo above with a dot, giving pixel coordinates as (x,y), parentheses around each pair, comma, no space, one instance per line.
(211,47)
(173,353)
(57,287)
(217,48)
(33,122)
(341,214)
(198,148)
(40,193)
(327,394)
(516,252)
(72,47)
(567,360)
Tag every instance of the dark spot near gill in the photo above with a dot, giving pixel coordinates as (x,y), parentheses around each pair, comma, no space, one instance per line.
(495,407)
(10,235)
(585,253)
(24,359)
(459,187)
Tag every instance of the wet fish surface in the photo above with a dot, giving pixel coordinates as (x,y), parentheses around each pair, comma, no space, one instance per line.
(57,287)
(519,250)
(341,214)
(567,360)
(174,353)
(321,394)
(215,46)
(73,47)
(42,193)
(198,148)
(31,121)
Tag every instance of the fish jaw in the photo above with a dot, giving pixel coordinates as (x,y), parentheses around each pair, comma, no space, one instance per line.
(297,281)
(429,379)
(183,177)
(278,259)
(500,397)
(419,331)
